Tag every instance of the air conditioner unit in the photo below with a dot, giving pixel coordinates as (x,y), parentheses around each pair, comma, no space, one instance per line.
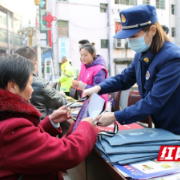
(118,43)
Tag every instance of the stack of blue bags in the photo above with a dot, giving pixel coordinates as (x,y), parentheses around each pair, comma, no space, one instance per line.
(134,145)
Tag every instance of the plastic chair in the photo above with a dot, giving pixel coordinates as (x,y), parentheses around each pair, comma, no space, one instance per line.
(116,100)
(133,98)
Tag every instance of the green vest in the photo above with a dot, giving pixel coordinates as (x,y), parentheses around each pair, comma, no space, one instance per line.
(74,72)
(66,77)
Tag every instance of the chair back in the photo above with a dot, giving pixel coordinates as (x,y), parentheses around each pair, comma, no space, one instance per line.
(73,93)
(116,99)
(133,98)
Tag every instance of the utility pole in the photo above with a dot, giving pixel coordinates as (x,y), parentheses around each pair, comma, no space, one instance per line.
(37,3)
(107,9)
(108,39)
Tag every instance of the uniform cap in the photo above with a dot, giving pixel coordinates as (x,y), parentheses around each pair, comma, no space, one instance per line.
(134,19)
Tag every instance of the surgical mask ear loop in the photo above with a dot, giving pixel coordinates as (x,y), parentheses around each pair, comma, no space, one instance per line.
(144,39)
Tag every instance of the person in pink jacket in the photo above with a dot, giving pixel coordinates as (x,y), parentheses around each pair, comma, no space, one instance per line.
(30,149)
(93,69)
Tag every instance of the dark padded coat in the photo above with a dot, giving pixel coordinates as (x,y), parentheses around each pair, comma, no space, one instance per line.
(45,97)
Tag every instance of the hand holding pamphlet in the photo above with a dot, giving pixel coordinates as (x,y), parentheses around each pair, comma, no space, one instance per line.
(96,106)
(92,107)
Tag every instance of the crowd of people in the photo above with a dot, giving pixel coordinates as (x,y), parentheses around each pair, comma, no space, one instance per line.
(30,146)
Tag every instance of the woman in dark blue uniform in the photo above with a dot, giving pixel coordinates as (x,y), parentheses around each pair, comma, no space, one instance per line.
(155,69)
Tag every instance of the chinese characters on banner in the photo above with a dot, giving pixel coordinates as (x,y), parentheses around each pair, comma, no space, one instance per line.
(63,48)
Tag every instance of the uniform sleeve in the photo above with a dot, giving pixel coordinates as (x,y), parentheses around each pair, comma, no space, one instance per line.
(27,149)
(122,81)
(166,82)
(98,78)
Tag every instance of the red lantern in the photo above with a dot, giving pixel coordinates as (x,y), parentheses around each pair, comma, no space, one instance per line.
(49,19)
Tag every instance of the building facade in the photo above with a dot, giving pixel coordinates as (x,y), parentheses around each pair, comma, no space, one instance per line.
(10,24)
(98,21)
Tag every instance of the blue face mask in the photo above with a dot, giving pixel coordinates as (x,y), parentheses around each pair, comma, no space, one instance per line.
(138,44)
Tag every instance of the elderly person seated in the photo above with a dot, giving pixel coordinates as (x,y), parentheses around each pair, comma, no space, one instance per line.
(28,148)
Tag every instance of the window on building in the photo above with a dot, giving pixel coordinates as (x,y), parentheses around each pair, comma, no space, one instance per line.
(3,36)
(172,9)
(104,43)
(126,2)
(146,1)
(132,2)
(160,4)
(173,32)
(103,7)
(63,29)
(17,40)
(122,1)
(118,43)
(3,19)
(17,25)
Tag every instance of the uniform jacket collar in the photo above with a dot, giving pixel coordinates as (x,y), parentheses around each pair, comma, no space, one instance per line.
(12,105)
(145,59)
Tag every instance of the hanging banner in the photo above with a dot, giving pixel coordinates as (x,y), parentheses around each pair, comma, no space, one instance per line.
(42,23)
(63,47)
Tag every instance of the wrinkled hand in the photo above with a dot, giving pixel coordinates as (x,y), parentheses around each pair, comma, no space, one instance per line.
(75,84)
(60,115)
(90,91)
(105,119)
(89,120)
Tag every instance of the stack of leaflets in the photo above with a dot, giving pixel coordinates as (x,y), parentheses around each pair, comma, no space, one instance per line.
(152,170)
(75,111)
(135,145)
(70,99)
(76,104)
